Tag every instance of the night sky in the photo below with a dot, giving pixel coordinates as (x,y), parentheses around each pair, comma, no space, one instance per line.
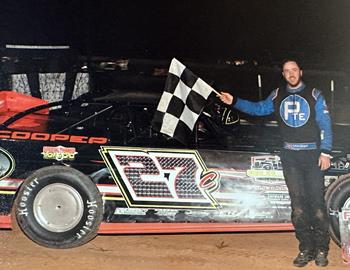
(318,31)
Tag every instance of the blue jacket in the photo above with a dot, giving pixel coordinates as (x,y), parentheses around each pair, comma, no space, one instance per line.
(267,107)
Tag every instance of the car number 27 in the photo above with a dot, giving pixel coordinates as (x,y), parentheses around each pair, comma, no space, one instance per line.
(162,178)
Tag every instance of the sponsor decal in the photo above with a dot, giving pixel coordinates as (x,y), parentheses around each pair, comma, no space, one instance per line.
(59,153)
(7,163)
(295,111)
(265,167)
(344,231)
(162,177)
(229,118)
(41,136)
(345,214)
(265,174)
(341,164)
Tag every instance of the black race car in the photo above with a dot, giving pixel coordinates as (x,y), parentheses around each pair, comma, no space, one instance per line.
(72,169)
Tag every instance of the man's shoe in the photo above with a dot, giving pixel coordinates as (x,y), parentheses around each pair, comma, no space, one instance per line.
(321,258)
(303,258)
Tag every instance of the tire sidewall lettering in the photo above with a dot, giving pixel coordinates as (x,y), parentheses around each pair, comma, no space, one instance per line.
(81,233)
(25,196)
(88,218)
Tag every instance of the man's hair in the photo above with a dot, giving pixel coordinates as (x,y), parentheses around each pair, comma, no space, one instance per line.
(291,60)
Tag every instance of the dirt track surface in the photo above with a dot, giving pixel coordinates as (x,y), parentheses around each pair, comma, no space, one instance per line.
(239,251)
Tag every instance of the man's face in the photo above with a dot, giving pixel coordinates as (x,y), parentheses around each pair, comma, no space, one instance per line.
(292,73)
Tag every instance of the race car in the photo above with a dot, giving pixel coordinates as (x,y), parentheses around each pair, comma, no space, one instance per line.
(70,170)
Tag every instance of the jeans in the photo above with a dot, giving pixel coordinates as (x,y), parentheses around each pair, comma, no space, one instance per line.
(305,182)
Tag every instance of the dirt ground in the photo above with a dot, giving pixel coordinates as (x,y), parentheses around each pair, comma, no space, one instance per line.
(187,251)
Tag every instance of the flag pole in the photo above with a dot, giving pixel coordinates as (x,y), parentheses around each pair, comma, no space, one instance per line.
(216,92)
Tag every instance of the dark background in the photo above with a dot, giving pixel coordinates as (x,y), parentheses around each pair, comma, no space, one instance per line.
(315,30)
(207,36)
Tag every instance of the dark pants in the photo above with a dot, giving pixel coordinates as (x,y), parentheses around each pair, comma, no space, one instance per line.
(305,182)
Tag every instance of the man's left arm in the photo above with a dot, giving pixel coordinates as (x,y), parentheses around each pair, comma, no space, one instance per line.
(324,122)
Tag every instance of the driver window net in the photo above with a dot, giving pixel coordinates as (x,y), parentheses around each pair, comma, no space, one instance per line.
(51,85)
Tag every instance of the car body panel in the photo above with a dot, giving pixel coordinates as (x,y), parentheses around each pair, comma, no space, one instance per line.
(230,180)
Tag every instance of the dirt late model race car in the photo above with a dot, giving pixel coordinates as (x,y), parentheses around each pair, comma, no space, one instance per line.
(70,170)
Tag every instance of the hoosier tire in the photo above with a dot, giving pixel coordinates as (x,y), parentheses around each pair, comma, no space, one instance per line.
(337,197)
(59,207)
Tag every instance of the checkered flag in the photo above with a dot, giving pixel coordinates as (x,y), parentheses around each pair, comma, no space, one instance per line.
(181,103)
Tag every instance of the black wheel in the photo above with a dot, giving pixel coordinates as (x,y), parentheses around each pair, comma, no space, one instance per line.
(59,207)
(337,197)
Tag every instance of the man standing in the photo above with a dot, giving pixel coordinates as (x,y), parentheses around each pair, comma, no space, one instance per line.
(305,128)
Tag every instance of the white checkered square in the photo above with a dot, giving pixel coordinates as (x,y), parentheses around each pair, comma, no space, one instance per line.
(176,67)
(182,91)
(202,88)
(189,117)
(169,124)
(164,102)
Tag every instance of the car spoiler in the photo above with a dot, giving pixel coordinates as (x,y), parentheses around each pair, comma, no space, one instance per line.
(19,115)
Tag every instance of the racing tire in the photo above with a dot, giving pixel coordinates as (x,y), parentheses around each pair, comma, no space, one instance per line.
(58,207)
(337,196)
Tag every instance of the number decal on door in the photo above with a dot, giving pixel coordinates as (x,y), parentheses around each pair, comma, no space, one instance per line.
(161,178)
